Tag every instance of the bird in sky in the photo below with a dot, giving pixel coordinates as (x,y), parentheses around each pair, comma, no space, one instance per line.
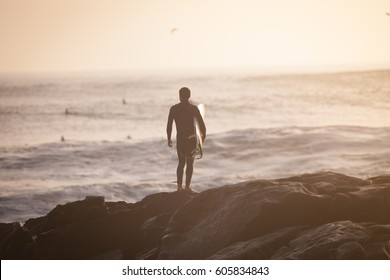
(173,30)
(388,14)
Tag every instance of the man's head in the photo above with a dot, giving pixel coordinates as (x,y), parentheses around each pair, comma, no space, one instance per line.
(184,94)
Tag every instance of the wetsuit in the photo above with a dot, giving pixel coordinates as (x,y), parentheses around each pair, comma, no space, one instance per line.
(184,114)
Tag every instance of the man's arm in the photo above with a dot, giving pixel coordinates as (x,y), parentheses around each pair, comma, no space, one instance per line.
(201,124)
(169,127)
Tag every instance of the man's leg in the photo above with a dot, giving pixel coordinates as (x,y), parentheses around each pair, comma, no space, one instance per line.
(189,171)
(180,170)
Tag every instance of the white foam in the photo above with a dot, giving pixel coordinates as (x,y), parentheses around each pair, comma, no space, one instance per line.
(35,179)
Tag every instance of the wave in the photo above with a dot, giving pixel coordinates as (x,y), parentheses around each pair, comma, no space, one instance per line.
(33,179)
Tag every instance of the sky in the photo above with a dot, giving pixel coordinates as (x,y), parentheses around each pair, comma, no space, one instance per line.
(120,35)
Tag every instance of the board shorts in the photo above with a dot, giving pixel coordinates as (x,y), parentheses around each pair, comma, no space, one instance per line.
(187,146)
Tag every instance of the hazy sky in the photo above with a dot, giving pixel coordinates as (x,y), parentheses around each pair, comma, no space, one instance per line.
(89,35)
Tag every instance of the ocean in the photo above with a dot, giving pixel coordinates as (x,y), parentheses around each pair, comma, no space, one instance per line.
(113,127)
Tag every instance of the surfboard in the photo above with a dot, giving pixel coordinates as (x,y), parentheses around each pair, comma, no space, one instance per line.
(199,142)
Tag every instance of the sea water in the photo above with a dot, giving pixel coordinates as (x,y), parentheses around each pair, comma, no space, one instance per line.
(65,137)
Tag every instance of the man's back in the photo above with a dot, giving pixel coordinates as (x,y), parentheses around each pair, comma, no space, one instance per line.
(184,114)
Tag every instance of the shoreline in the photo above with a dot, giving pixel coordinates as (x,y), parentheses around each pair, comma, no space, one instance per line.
(322,215)
(35,179)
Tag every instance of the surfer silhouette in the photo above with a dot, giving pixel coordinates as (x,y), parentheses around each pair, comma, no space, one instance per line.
(185,115)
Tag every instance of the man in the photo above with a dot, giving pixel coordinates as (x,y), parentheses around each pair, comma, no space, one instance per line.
(185,114)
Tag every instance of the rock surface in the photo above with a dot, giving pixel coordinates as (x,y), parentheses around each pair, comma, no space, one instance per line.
(15,242)
(312,216)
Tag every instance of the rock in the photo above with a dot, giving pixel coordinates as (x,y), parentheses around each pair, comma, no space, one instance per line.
(338,180)
(91,207)
(150,255)
(15,242)
(152,231)
(378,250)
(88,239)
(383,179)
(120,230)
(339,240)
(218,218)
(262,247)
(320,242)
(114,207)
(312,216)
(351,250)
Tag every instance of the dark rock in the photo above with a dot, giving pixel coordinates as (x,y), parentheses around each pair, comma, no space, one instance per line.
(383,179)
(121,230)
(91,207)
(165,202)
(91,238)
(15,242)
(320,242)
(115,254)
(152,231)
(150,255)
(378,250)
(114,207)
(262,247)
(313,216)
(218,218)
(339,240)
(338,180)
(352,250)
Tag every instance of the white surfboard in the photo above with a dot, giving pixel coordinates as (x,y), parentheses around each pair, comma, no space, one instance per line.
(199,142)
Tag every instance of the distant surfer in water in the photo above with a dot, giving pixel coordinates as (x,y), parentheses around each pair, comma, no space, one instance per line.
(186,115)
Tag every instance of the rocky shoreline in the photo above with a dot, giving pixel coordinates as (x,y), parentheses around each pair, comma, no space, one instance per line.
(313,216)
